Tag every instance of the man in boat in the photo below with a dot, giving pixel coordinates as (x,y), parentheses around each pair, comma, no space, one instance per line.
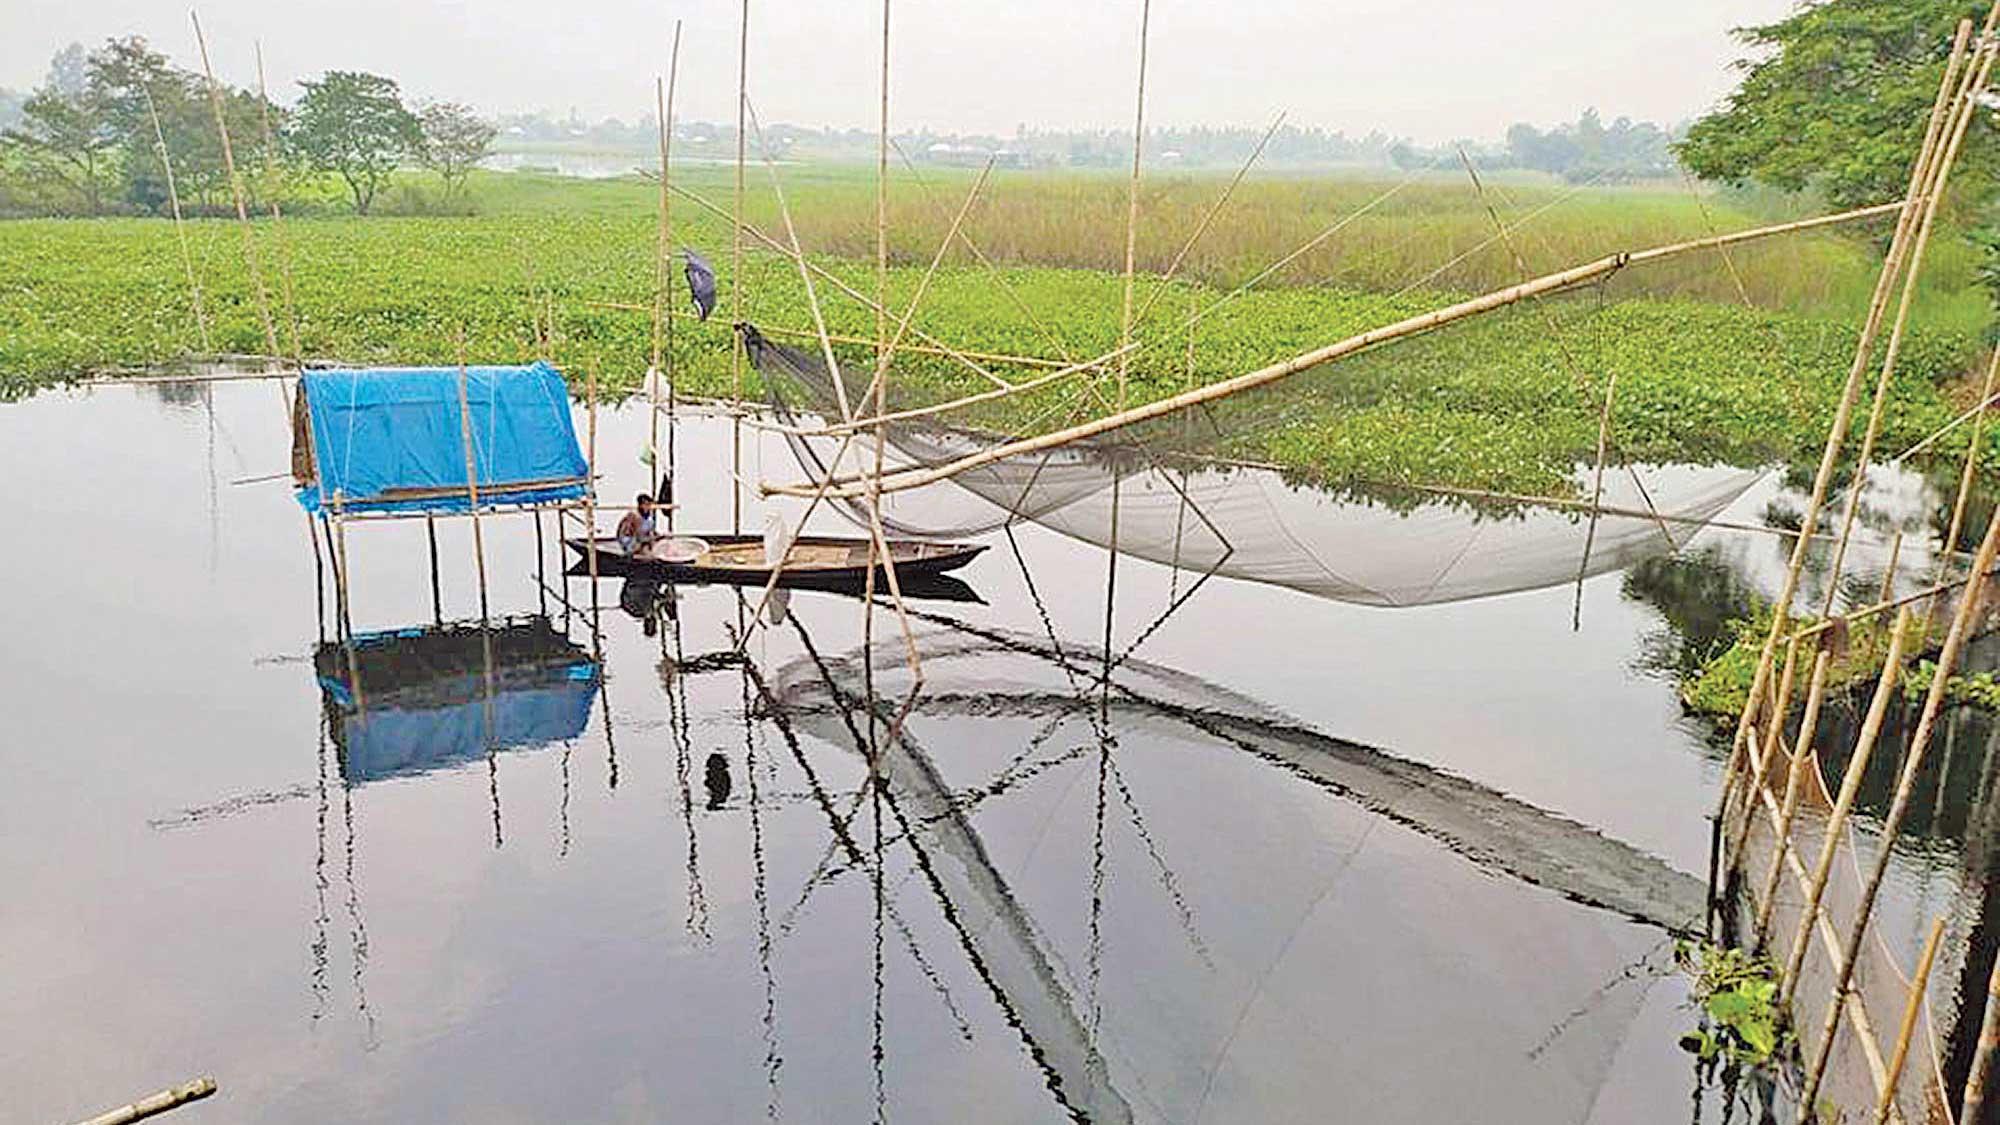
(639,530)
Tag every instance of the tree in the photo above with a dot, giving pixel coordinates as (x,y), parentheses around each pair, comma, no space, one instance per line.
(1836,96)
(455,140)
(356,125)
(63,137)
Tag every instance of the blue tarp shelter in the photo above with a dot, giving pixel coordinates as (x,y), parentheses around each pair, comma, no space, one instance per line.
(393,439)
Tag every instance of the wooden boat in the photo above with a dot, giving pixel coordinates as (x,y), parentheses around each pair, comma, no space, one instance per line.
(822,561)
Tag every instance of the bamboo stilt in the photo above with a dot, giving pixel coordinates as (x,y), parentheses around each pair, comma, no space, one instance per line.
(1911,1010)
(437,595)
(1760,764)
(170,1098)
(1596,490)
(471,476)
(1836,821)
(590,495)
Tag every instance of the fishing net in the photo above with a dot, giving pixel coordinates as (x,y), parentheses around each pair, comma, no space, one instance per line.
(1195,487)
(1865,1038)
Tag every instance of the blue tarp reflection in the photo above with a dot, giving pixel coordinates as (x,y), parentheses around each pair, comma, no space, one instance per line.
(424,701)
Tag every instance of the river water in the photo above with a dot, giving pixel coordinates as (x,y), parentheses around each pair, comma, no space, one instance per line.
(1300,860)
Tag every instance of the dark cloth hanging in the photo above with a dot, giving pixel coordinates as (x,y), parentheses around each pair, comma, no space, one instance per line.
(701,282)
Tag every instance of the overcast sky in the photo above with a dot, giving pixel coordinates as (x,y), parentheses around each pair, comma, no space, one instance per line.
(1425,70)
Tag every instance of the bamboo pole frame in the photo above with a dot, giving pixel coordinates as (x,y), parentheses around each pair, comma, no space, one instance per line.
(1571,278)
(1973,84)
(1836,821)
(1969,607)
(1892,265)
(1802,759)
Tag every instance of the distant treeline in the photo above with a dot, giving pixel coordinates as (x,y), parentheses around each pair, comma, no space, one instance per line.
(106,129)
(1586,149)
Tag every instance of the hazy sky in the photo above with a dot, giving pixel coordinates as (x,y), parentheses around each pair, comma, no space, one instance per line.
(1429,71)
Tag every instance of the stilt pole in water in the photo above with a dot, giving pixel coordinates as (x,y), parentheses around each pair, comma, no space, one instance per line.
(541,566)
(319,579)
(1911,1010)
(736,353)
(437,595)
(157,1103)
(1982,1060)
(471,475)
(590,493)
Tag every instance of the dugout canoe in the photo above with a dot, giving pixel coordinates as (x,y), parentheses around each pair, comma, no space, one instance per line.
(814,560)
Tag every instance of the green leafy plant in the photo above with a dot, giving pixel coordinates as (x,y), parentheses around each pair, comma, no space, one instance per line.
(1741,1027)
(1980,689)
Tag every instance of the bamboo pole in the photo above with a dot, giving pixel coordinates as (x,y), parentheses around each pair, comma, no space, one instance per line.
(1850,785)
(180,230)
(839,428)
(1888,589)
(277,219)
(1965,475)
(1974,1102)
(437,595)
(1969,607)
(590,495)
(1843,412)
(1802,760)
(170,1098)
(471,475)
(1597,485)
(236,192)
(1760,764)
(736,286)
(1911,1010)
(1208,217)
(1973,85)
(805,274)
(1411,326)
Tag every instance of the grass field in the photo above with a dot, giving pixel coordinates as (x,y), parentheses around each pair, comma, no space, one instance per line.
(1508,402)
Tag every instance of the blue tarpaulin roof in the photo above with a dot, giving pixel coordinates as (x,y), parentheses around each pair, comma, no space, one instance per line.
(392,439)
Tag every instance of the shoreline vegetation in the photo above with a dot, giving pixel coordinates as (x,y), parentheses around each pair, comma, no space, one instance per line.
(1508,402)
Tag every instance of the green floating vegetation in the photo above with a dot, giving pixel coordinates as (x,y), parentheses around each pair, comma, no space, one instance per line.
(1741,1027)
(1507,402)
(1981,689)
(1722,684)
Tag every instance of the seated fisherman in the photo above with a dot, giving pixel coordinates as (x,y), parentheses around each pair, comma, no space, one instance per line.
(639,530)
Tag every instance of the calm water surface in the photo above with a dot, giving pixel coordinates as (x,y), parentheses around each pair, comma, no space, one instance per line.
(670,893)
